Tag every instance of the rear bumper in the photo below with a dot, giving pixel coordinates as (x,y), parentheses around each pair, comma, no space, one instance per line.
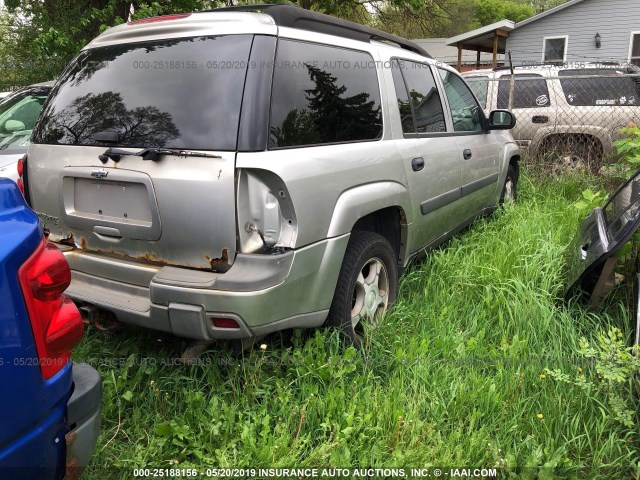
(262,293)
(83,418)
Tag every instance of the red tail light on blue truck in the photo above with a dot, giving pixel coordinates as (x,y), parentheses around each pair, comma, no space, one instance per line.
(49,407)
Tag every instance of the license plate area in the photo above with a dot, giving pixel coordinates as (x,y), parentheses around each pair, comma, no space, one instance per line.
(112,201)
(123,201)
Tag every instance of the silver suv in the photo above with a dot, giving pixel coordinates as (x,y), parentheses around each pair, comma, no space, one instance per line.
(227,174)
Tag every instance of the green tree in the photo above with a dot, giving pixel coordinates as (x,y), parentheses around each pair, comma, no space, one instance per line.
(39,37)
(540,6)
(438,18)
(446,18)
(490,11)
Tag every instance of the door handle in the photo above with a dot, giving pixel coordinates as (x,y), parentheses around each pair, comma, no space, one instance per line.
(417,164)
(467,154)
(540,119)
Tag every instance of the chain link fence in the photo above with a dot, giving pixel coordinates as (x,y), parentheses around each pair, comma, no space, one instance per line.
(566,117)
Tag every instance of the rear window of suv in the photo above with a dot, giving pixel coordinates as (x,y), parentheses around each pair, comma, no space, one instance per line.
(529,91)
(176,93)
(613,88)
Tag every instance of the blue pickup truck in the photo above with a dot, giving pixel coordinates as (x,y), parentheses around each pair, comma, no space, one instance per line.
(49,407)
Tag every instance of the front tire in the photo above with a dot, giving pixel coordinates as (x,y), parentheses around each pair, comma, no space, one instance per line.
(510,189)
(367,286)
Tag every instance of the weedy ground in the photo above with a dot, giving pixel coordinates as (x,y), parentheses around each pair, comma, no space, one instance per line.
(478,364)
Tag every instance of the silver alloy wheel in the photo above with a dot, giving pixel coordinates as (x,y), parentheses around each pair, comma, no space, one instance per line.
(370,294)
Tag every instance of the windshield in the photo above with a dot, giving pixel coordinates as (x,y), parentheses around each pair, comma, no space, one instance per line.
(181,93)
(18,116)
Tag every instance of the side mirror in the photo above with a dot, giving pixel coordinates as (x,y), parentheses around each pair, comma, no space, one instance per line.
(13,126)
(501,120)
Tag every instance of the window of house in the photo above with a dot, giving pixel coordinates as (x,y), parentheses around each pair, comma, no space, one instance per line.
(419,91)
(529,91)
(319,96)
(554,49)
(634,56)
(465,111)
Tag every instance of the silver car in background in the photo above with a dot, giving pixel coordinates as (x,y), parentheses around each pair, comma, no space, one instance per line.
(227,174)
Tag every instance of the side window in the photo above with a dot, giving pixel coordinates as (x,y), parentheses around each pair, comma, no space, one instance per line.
(612,90)
(529,91)
(404,105)
(465,111)
(322,95)
(422,97)
(29,111)
(25,109)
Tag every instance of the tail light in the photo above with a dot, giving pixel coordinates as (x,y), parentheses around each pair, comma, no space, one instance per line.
(224,323)
(20,181)
(55,320)
(23,183)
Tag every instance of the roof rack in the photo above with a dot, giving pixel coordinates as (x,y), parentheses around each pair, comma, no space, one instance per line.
(588,64)
(296,17)
(528,65)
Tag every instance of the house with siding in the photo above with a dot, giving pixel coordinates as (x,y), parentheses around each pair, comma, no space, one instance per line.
(574,32)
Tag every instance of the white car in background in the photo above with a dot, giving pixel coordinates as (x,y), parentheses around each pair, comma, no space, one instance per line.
(19,113)
(574,111)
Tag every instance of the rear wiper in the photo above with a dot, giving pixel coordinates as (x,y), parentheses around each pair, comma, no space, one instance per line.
(152,154)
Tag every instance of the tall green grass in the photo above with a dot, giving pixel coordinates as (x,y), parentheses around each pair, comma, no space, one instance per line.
(453,378)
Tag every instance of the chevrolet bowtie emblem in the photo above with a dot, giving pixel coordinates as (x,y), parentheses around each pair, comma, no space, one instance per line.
(101,173)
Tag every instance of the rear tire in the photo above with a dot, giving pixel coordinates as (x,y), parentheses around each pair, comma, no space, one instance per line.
(573,152)
(367,286)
